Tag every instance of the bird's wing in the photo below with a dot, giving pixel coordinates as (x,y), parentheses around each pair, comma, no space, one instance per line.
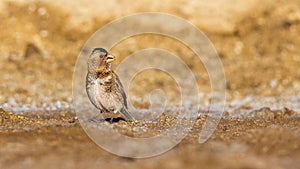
(89,90)
(121,89)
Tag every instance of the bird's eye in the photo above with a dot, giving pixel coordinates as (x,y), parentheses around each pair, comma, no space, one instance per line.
(101,56)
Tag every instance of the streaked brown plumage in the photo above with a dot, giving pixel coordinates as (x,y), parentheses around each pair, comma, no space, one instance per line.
(103,86)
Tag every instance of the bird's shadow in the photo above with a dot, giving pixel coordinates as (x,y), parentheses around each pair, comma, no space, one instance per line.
(109,120)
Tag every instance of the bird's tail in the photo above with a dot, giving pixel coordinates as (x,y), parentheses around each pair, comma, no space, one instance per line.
(127,114)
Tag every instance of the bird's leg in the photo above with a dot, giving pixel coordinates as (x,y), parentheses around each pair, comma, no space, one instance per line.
(97,118)
(114,118)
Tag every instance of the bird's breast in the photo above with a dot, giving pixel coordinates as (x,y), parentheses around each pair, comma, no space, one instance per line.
(105,80)
(105,94)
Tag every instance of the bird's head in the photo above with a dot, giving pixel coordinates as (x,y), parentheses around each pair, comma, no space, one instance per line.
(99,61)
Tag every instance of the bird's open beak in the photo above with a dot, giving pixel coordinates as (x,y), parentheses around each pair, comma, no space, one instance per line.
(110,58)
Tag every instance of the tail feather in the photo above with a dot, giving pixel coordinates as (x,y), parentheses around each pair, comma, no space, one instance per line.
(127,114)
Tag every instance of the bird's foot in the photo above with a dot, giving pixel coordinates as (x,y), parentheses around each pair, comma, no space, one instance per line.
(114,120)
(100,119)
(109,120)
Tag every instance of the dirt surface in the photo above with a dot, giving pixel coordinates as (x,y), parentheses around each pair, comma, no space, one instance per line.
(60,142)
(257,42)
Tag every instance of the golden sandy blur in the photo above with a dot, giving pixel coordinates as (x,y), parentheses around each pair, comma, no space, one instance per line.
(257,42)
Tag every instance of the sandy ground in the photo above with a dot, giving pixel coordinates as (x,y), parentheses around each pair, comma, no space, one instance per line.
(60,142)
(257,42)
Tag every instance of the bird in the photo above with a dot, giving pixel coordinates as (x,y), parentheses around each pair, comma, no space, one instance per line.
(103,86)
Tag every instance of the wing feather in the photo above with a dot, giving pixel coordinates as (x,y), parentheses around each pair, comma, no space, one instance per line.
(121,89)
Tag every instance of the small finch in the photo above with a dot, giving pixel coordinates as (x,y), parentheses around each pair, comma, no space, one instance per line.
(103,85)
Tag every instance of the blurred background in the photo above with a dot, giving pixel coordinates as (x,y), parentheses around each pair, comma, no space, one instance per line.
(257,41)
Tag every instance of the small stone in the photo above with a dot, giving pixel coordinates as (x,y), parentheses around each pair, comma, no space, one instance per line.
(238,48)
(43,33)
(71,120)
(273,83)
(42,11)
